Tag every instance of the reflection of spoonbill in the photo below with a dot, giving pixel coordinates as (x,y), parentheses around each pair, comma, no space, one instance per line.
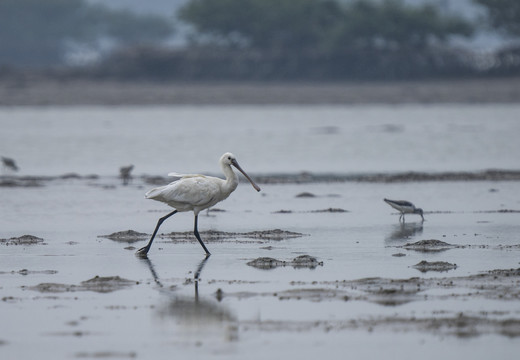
(404,207)
(196,193)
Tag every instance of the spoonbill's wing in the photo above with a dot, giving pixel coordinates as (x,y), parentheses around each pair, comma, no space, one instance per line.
(192,190)
(178,175)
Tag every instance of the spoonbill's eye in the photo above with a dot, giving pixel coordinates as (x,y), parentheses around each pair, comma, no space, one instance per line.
(229,158)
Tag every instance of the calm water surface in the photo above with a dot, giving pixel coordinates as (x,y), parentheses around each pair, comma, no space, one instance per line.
(165,315)
(157,140)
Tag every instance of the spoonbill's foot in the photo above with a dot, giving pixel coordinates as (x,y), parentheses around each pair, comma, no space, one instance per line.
(142,252)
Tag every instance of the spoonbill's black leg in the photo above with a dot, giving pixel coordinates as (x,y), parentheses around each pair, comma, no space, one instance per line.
(196,232)
(143,251)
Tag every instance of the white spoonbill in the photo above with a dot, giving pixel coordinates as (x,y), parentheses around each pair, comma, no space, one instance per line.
(195,193)
(404,207)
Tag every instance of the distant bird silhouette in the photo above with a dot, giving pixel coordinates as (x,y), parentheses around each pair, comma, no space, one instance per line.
(404,207)
(125,174)
(9,163)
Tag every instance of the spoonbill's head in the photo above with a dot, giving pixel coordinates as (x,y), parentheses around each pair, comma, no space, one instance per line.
(229,159)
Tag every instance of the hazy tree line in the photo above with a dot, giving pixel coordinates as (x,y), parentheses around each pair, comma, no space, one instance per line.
(255,39)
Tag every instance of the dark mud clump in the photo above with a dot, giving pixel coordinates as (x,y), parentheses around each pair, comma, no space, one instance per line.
(425,266)
(302,261)
(30,272)
(213,235)
(106,355)
(330,210)
(128,236)
(23,240)
(96,284)
(306,261)
(25,182)
(429,246)
(106,284)
(305,195)
(459,325)
(266,263)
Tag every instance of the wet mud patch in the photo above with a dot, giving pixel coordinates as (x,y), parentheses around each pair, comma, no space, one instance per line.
(23,182)
(305,195)
(128,236)
(214,235)
(494,285)
(96,284)
(501,211)
(501,285)
(299,262)
(459,325)
(431,245)
(329,210)
(30,272)
(106,355)
(441,266)
(23,240)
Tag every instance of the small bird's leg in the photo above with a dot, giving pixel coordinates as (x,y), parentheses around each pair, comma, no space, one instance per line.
(196,232)
(143,251)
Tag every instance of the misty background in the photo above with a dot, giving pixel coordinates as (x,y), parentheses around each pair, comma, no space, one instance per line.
(260,39)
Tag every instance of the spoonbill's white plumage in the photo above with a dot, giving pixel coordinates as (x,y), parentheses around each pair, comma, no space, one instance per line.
(404,207)
(195,192)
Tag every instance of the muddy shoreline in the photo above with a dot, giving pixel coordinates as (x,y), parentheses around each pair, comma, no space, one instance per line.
(24,91)
(294,178)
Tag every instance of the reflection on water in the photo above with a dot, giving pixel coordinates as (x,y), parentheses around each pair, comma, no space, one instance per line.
(404,231)
(200,318)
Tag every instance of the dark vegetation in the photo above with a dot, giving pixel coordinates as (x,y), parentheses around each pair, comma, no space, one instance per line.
(254,40)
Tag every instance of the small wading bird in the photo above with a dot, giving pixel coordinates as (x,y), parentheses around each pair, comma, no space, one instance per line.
(125,174)
(196,193)
(404,207)
(9,163)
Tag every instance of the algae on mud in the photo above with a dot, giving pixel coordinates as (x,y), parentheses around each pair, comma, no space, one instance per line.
(23,240)
(97,284)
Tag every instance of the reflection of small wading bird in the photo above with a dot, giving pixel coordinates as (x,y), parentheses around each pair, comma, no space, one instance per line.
(125,174)
(404,207)
(9,164)
(196,193)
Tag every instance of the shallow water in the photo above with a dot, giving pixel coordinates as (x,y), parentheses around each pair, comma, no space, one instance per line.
(238,311)
(269,139)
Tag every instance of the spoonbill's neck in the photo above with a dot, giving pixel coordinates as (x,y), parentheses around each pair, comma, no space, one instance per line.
(231,182)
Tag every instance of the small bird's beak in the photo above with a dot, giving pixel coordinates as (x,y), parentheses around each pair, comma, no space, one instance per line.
(235,164)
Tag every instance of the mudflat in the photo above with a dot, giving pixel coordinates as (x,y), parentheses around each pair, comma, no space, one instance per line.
(21,91)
